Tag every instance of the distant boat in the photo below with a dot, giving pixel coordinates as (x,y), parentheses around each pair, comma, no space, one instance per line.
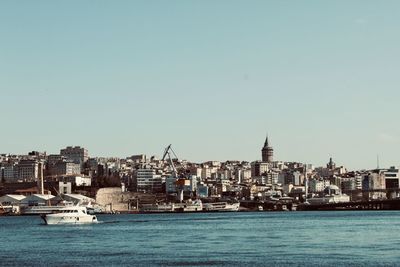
(3,210)
(70,215)
(157,208)
(221,206)
(188,206)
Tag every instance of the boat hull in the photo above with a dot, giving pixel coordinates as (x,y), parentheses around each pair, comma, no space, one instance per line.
(51,219)
(220,206)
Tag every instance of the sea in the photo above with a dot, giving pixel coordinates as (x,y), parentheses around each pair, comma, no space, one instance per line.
(310,238)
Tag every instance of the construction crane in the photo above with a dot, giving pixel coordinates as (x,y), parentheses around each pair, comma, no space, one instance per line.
(167,152)
(178,184)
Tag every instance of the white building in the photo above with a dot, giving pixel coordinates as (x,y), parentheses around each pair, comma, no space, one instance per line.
(205,172)
(11,200)
(242,175)
(77,199)
(77,180)
(147,180)
(316,186)
(37,200)
(332,194)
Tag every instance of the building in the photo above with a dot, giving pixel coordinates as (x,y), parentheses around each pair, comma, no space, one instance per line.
(331,194)
(331,165)
(272,177)
(64,168)
(76,154)
(258,168)
(202,191)
(170,185)
(206,172)
(8,172)
(374,180)
(138,158)
(267,152)
(11,200)
(316,186)
(242,175)
(147,180)
(76,180)
(64,187)
(54,158)
(28,170)
(392,178)
(37,200)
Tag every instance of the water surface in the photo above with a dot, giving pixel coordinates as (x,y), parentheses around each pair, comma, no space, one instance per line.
(328,238)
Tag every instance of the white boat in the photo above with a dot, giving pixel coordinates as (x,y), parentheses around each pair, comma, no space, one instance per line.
(70,215)
(188,206)
(37,210)
(221,206)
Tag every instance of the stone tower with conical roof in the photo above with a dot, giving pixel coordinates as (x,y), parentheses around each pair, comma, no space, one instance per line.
(267,152)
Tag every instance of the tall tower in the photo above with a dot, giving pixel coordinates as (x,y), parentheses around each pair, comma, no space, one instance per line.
(267,152)
(331,165)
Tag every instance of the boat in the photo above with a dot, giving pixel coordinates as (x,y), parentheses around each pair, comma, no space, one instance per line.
(188,206)
(70,215)
(157,208)
(37,210)
(4,210)
(221,206)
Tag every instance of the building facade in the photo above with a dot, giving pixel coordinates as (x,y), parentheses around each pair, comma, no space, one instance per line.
(147,180)
(77,154)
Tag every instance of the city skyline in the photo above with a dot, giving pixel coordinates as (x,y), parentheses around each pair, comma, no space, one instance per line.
(266,155)
(209,78)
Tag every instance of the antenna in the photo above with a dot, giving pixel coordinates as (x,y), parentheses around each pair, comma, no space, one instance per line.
(377,161)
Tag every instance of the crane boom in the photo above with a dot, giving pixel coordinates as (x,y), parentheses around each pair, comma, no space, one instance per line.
(167,152)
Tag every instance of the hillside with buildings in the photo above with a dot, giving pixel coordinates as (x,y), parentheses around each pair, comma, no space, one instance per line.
(140,179)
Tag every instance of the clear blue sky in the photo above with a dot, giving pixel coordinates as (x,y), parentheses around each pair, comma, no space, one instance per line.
(210,77)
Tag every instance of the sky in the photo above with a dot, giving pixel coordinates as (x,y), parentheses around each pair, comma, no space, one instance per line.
(212,78)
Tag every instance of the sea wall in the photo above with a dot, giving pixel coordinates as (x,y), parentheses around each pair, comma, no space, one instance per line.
(113,199)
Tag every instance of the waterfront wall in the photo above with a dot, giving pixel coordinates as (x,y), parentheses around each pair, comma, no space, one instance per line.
(112,198)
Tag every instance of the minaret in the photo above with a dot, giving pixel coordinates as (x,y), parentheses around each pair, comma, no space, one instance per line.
(267,152)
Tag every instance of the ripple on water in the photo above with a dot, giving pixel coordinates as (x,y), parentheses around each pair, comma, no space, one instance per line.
(350,238)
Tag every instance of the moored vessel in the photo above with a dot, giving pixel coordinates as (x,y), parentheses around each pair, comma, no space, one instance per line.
(187,206)
(157,208)
(221,206)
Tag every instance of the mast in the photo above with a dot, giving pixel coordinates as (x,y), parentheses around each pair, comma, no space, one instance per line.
(305,182)
(40,179)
